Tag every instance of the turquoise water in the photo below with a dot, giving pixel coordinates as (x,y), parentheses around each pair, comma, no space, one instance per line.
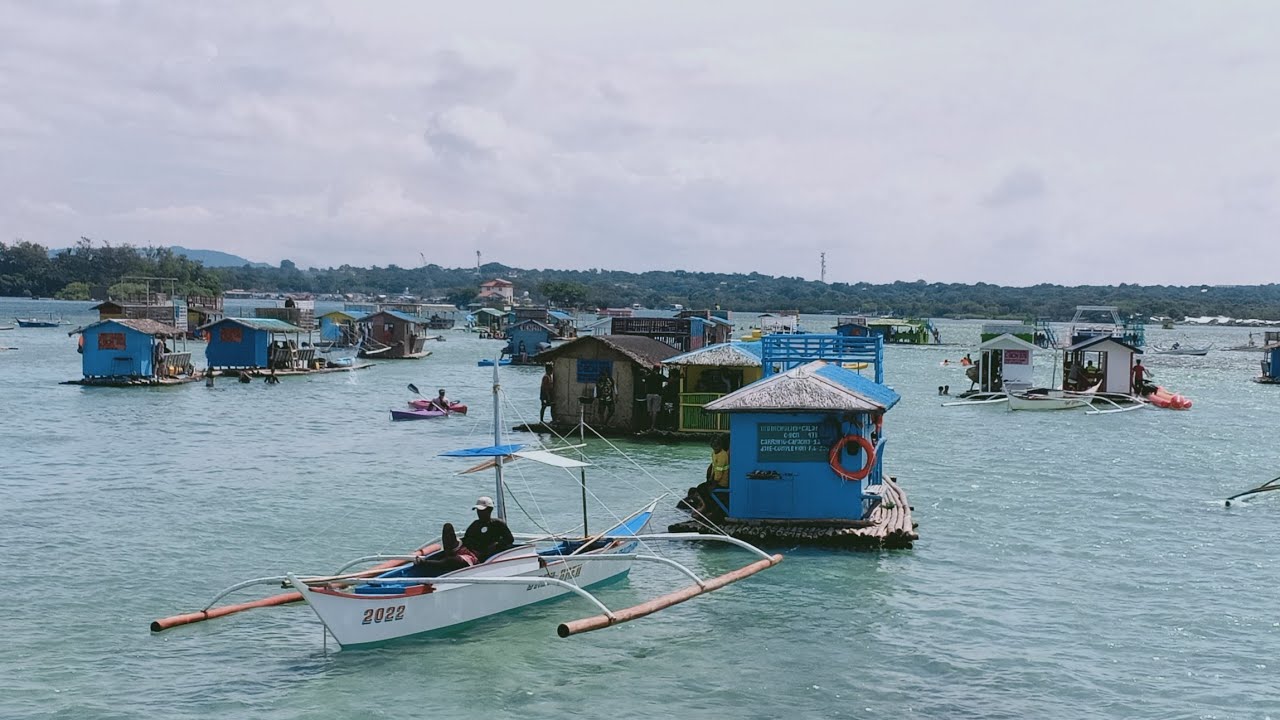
(1069,566)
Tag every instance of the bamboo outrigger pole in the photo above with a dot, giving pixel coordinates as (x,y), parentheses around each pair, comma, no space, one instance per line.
(597,622)
(272,601)
(1267,486)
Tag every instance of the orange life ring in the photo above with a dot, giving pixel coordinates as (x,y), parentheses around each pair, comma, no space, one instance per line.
(867,447)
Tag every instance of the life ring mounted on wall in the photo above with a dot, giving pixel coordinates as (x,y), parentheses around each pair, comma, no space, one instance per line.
(834,457)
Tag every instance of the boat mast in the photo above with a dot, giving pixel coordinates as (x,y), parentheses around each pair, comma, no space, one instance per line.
(501,509)
(582,471)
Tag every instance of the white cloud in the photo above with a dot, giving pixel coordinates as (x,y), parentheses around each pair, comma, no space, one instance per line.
(974,141)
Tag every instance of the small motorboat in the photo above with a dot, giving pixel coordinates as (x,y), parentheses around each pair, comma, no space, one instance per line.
(424,404)
(488,362)
(1180,349)
(36,323)
(6,327)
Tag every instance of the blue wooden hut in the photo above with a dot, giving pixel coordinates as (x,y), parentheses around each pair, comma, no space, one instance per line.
(338,327)
(246,343)
(123,351)
(806,449)
(1270,364)
(533,336)
(795,433)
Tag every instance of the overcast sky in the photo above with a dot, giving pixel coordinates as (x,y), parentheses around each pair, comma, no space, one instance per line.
(1007,142)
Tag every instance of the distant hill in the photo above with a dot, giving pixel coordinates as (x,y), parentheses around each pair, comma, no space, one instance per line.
(208,258)
(216,258)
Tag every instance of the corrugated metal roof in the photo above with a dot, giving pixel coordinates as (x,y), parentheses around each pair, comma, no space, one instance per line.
(403,317)
(643,350)
(736,354)
(816,386)
(344,313)
(559,315)
(146,327)
(490,311)
(269,324)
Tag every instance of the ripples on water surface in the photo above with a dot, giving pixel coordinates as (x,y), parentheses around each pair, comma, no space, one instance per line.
(1069,566)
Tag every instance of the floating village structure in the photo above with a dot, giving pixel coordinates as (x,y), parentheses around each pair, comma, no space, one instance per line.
(894,331)
(689,330)
(708,374)
(340,328)
(527,338)
(1091,321)
(255,344)
(184,313)
(633,365)
(806,448)
(392,335)
(1270,363)
(1005,359)
(265,346)
(123,352)
(491,322)
(1100,360)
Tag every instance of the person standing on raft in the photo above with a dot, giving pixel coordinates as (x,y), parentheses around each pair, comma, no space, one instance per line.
(1140,375)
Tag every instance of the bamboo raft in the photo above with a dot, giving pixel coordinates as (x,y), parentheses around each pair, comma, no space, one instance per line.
(889,526)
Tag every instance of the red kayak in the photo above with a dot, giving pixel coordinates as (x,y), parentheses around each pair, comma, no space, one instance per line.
(421,404)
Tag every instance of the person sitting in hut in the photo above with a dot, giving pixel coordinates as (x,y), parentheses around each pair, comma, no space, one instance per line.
(453,555)
(1092,374)
(1075,377)
(487,534)
(546,394)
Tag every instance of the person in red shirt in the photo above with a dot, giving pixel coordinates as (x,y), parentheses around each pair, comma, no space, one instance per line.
(1140,375)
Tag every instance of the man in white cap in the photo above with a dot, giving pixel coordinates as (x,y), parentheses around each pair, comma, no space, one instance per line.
(488,534)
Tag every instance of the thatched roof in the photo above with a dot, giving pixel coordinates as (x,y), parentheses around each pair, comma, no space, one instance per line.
(736,354)
(1007,341)
(818,385)
(643,350)
(146,327)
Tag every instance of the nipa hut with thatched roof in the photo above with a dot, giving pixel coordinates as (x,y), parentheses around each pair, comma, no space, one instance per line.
(608,376)
(710,373)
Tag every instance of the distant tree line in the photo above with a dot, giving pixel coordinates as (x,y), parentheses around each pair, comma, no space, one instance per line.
(77,273)
(28,269)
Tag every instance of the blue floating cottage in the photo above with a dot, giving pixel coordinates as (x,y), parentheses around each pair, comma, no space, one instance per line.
(1270,364)
(338,328)
(527,338)
(256,344)
(805,452)
(124,352)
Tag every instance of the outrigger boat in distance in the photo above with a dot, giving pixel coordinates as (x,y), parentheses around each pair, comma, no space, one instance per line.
(399,598)
(1179,349)
(37,323)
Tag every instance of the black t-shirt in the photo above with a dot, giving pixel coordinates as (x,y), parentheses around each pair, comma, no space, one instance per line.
(486,537)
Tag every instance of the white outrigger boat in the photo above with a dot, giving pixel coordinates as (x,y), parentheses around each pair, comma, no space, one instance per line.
(399,597)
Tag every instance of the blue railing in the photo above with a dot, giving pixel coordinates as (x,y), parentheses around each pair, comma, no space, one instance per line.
(780,353)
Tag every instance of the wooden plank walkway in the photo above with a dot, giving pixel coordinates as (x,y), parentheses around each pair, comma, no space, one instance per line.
(889,526)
